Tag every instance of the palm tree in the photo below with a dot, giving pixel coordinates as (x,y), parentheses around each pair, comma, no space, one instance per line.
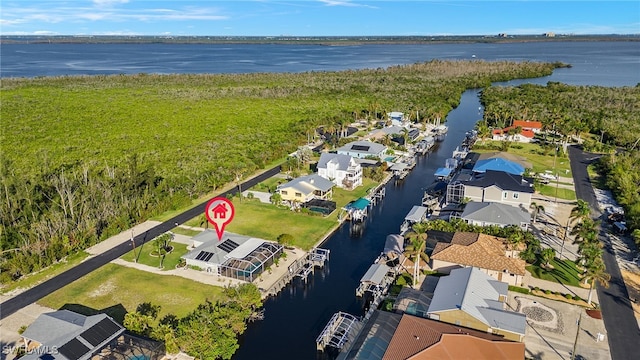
(586,231)
(418,237)
(596,272)
(536,210)
(483,130)
(581,211)
(548,254)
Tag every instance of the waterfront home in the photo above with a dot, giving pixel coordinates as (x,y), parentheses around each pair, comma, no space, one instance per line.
(498,164)
(341,169)
(492,186)
(234,256)
(66,334)
(305,188)
(534,126)
(363,149)
(395,133)
(468,297)
(511,134)
(392,336)
(474,157)
(492,213)
(484,252)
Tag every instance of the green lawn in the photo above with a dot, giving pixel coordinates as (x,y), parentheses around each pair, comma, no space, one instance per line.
(550,190)
(144,255)
(118,289)
(47,273)
(533,153)
(267,221)
(563,272)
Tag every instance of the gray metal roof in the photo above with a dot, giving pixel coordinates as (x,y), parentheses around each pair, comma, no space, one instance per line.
(308,183)
(497,213)
(343,161)
(375,274)
(68,335)
(476,293)
(372,148)
(210,243)
(417,213)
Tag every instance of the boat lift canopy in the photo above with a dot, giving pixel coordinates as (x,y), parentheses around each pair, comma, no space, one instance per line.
(417,214)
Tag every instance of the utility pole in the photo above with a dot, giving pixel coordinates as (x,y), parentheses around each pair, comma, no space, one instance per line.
(133,242)
(575,343)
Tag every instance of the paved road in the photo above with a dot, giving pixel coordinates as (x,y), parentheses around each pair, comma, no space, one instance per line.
(39,291)
(617,313)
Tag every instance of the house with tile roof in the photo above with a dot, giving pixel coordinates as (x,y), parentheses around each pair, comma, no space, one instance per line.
(535,126)
(493,213)
(305,188)
(511,134)
(468,297)
(392,336)
(341,169)
(484,252)
(421,339)
(493,186)
(67,335)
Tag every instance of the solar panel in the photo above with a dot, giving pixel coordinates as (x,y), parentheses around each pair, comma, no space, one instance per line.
(100,332)
(73,350)
(208,256)
(360,147)
(200,255)
(228,245)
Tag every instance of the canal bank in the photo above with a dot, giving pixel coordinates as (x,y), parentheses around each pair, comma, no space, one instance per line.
(295,316)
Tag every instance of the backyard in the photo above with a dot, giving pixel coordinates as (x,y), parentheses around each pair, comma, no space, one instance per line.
(117,290)
(535,154)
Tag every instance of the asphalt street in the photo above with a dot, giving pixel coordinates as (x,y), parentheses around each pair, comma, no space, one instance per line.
(617,313)
(41,290)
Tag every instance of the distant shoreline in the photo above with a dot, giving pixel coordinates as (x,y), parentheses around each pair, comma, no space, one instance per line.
(308,40)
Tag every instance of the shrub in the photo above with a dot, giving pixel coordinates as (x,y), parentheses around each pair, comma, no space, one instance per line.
(536,288)
(577,298)
(519,289)
(548,292)
(569,296)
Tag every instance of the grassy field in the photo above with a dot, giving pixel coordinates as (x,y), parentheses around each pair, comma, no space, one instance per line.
(534,154)
(550,190)
(563,272)
(120,289)
(143,253)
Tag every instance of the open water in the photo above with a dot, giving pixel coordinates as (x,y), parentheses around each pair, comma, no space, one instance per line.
(295,317)
(594,63)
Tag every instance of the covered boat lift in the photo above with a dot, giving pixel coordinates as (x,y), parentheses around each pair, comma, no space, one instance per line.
(357,210)
(376,280)
(416,215)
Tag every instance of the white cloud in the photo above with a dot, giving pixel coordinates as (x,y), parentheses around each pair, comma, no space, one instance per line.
(345,3)
(102,3)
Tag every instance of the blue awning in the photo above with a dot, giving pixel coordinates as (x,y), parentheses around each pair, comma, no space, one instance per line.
(443,172)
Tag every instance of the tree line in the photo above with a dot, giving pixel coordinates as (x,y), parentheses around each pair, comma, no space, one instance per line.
(604,119)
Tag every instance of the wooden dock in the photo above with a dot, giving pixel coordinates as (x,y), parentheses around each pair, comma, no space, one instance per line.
(301,268)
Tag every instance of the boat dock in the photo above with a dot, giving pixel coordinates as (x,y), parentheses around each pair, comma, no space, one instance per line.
(341,329)
(301,268)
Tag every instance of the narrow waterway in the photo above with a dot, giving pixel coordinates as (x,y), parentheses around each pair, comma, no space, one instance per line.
(298,314)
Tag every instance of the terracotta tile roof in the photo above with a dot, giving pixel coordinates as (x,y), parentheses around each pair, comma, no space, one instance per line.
(418,338)
(525,124)
(488,252)
(524,132)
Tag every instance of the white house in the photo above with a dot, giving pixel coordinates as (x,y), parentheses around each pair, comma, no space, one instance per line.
(341,169)
(363,149)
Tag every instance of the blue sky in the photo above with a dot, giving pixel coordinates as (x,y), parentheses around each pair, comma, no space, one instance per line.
(316,17)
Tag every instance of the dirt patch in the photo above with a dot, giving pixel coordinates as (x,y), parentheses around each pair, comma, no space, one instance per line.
(596,314)
(632,281)
(560,298)
(104,289)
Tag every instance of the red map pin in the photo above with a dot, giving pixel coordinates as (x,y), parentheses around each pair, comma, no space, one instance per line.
(219,211)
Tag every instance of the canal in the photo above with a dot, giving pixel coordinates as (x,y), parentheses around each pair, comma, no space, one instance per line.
(295,317)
